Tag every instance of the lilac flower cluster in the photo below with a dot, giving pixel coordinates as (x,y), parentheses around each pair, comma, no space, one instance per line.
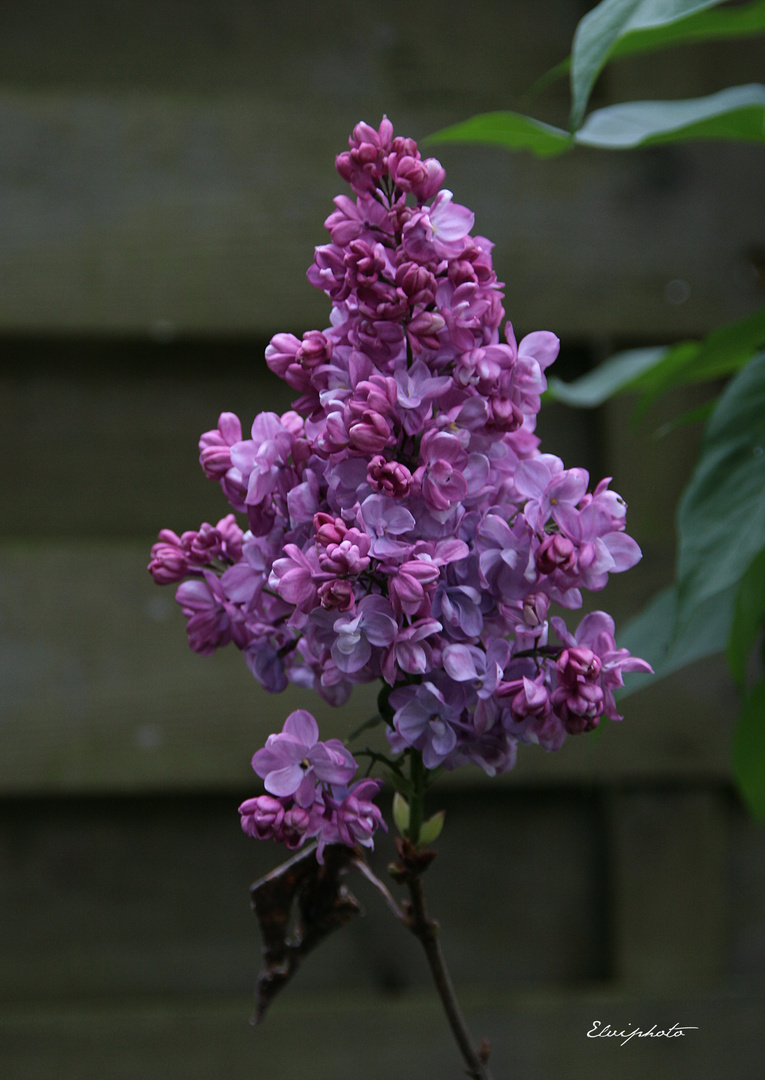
(309,796)
(403,524)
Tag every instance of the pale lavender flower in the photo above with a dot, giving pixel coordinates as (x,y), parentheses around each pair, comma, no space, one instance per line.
(425,719)
(292,762)
(213,619)
(372,624)
(384,520)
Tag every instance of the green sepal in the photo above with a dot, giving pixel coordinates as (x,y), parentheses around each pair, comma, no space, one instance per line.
(401,813)
(430,830)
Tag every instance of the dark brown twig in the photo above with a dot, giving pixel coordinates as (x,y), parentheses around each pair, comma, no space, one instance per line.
(426,930)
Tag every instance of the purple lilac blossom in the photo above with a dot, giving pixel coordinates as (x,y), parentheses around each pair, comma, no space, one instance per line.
(400,521)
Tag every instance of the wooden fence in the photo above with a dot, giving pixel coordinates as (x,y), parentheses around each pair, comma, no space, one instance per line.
(166,169)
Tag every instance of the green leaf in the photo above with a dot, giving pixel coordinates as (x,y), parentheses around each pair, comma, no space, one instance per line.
(699,415)
(508,129)
(749,752)
(721,518)
(600,31)
(707,25)
(615,375)
(651,372)
(722,352)
(748,616)
(730,22)
(735,113)
(652,635)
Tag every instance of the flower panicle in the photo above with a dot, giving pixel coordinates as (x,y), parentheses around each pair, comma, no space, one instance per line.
(401,521)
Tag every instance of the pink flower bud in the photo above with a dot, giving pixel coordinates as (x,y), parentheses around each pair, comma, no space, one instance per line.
(389,477)
(337,595)
(505,414)
(295,826)
(261,818)
(168,559)
(215,446)
(416,282)
(351,556)
(370,434)
(431,182)
(329,529)
(556,552)
(407,172)
(578,664)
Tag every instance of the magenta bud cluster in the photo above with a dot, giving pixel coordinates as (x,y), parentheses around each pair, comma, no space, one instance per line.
(400,521)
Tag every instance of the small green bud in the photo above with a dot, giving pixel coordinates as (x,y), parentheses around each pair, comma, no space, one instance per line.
(431,829)
(401,813)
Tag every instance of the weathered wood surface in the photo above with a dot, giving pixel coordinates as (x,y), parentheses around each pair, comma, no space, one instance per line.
(671,886)
(165,173)
(657,889)
(151,896)
(167,167)
(113,451)
(339,1036)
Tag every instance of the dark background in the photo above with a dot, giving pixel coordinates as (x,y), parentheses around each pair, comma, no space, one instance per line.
(165,170)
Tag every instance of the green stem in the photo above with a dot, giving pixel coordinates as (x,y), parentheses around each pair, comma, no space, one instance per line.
(417,802)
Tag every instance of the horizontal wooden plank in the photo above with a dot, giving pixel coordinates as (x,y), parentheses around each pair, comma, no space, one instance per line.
(670,886)
(343,49)
(339,1035)
(100,438)
(134,896)
(101,693)
(118,454)
(158,181)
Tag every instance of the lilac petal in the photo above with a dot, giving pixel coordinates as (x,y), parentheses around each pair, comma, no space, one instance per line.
(498,653)
(412,657)
(591,627)
(450,220)
(302,726)
(624,551)
(306,791)
(379,628)
(636,664)
(536,695)
(449,551)
(443,740)
(411,721)
(459,662)
(531,478)
(476,473)
(568,486)
(351,653)
(562,631)
(279,751)
(285,781)
(332,763)
(543,345)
